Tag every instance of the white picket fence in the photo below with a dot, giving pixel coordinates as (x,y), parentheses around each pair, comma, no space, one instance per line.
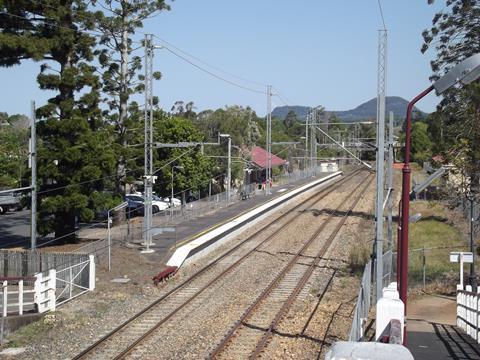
(468,317)
(45,291)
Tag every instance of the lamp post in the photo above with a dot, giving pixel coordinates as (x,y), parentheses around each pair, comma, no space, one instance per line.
(116,208)
(472,278)
(229,164)
(464,73)
(174,167)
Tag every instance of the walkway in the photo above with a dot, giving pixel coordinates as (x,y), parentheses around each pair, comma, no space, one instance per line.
(432,333)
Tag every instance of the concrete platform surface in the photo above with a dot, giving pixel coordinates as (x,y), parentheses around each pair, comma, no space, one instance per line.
(431,330)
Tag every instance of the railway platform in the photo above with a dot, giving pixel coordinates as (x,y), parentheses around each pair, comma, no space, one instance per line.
(432,332)
(187,231)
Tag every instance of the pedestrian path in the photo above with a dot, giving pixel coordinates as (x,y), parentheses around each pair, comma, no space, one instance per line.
(432,332)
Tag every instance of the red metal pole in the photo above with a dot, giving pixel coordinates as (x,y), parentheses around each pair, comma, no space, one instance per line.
(406,202)
(399,244)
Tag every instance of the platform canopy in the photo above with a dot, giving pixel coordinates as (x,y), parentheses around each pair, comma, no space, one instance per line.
(260,158)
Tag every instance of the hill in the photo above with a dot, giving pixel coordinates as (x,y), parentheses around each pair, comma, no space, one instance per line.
(367,110)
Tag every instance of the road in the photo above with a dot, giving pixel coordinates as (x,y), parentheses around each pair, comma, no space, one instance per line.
(15,229)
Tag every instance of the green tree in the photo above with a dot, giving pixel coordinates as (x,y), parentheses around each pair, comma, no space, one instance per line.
(118,22)
(72,151)
(13,151)
(421,144)
(455,35)
(196,169)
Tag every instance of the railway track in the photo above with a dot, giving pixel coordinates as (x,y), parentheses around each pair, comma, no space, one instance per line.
(250,335)
(124,339)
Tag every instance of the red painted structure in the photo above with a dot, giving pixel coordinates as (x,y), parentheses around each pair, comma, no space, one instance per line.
(168,272)
(260,158)
(405,206)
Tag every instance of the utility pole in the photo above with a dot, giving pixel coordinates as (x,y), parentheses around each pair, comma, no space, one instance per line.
(269,139)
(390,184)
(229,169)
(306,143)
(33,166)
(313,141)
(381,87)
(148,170)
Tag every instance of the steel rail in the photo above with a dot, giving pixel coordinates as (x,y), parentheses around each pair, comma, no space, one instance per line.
(287,305)
(313,198)
(273,283)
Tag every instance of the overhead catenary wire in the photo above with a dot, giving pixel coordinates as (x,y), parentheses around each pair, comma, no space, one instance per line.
(213,74)
(209,65)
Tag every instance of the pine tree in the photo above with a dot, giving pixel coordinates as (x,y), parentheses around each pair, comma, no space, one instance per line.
(118,23)
(72,152)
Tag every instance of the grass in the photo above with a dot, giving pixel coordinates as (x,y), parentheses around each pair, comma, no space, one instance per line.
(434,233)
(28,333)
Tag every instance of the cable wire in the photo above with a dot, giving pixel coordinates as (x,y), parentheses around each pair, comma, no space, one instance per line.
(207,64)
(213,74)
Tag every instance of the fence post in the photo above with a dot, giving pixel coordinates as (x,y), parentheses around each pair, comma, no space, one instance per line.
(423,264)
(20,297)
(5,298)
(91,273)
(52,274)
(70,278)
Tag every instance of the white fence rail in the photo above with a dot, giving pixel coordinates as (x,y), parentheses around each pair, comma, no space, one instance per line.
(468,312)
(44,290)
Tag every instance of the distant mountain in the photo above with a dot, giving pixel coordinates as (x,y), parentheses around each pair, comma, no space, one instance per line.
(367,110)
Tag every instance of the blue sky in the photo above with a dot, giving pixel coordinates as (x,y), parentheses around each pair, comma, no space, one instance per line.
(315,52)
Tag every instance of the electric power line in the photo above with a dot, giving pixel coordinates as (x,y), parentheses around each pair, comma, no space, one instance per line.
(213,74)
(209,65)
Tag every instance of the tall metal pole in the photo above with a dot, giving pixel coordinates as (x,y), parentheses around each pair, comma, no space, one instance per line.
(33,165)
(306,144)
(147,237)
(313,141)
(229,169)
(381,86)
(171,197)
(405,204)
(390,184)
(109,241)
(269,139)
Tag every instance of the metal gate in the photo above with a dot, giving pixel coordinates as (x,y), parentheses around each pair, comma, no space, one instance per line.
(74,281)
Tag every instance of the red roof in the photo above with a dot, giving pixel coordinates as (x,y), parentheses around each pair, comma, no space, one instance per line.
(260,158)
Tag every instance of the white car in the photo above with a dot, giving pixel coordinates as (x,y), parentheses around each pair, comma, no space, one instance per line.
(157,203)
(176,202)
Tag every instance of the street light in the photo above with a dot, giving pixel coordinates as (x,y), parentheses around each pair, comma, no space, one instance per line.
(464,73)
(229,165)
(174,167)
(116,208)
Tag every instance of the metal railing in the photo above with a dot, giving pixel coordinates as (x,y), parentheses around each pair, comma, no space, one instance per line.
(362,307)
(366,296)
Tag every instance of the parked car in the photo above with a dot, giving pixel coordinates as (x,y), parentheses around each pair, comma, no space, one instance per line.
(176,202)
(157,204)
(134,207)
(10,201)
